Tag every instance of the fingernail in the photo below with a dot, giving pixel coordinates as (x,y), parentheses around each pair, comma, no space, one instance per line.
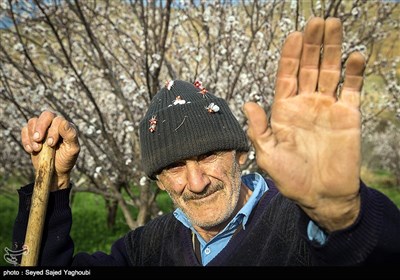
(28,148)
(67,126)
(50,141)
(36,135)
(35,145)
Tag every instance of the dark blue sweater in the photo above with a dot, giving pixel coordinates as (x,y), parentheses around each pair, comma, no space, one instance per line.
(276,234)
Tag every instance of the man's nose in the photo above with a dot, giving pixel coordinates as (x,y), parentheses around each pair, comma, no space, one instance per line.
(196,176)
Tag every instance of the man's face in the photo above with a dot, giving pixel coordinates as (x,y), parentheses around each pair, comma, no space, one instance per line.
(206,188)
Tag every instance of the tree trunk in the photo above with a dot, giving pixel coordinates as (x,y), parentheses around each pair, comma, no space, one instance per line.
(147,198)
(112,209)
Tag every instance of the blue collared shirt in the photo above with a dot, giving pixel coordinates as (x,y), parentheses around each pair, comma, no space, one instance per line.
(257,184)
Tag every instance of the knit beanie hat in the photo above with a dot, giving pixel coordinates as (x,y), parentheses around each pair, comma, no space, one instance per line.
(186,120)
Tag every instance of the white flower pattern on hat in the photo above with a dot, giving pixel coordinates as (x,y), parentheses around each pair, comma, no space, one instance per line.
(212,108)
(169,84)
(202,89)
(153,124)
(179,100)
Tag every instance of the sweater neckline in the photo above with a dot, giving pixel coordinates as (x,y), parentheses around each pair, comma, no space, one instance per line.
(235,241)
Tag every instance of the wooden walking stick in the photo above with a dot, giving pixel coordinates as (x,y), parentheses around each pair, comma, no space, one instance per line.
(37,214)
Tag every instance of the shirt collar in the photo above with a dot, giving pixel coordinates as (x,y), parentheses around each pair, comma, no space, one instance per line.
(256,183)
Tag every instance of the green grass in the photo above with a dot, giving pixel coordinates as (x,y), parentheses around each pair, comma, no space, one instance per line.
(383,181)
(89,228)
(164,202)
(8,212)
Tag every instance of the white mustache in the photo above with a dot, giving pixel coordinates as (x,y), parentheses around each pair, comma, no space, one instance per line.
(206,192)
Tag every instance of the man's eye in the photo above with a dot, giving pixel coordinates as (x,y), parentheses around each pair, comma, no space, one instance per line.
(208,156)
(175,165)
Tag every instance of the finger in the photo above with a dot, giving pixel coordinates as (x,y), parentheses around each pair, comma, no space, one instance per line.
(42,125)
(309,63)
(329,74)
(35,146)
(53,132)
(26,143)
(69,134)
(353,79)
(257,120)
(286,79)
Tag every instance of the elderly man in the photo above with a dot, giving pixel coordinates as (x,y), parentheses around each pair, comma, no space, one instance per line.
(314,210)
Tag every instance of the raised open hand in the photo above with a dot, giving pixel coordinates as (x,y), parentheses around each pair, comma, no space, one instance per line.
(312,146)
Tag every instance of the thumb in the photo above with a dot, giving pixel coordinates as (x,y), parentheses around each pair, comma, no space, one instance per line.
(69,133)
(257,120)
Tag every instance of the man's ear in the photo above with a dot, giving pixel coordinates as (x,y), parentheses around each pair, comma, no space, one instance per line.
(160,185)
(242,157)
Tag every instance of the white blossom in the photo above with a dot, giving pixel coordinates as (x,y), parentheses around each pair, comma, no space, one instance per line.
(143,181)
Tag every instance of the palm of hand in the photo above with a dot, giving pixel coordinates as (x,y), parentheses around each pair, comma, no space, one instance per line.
(315,142)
